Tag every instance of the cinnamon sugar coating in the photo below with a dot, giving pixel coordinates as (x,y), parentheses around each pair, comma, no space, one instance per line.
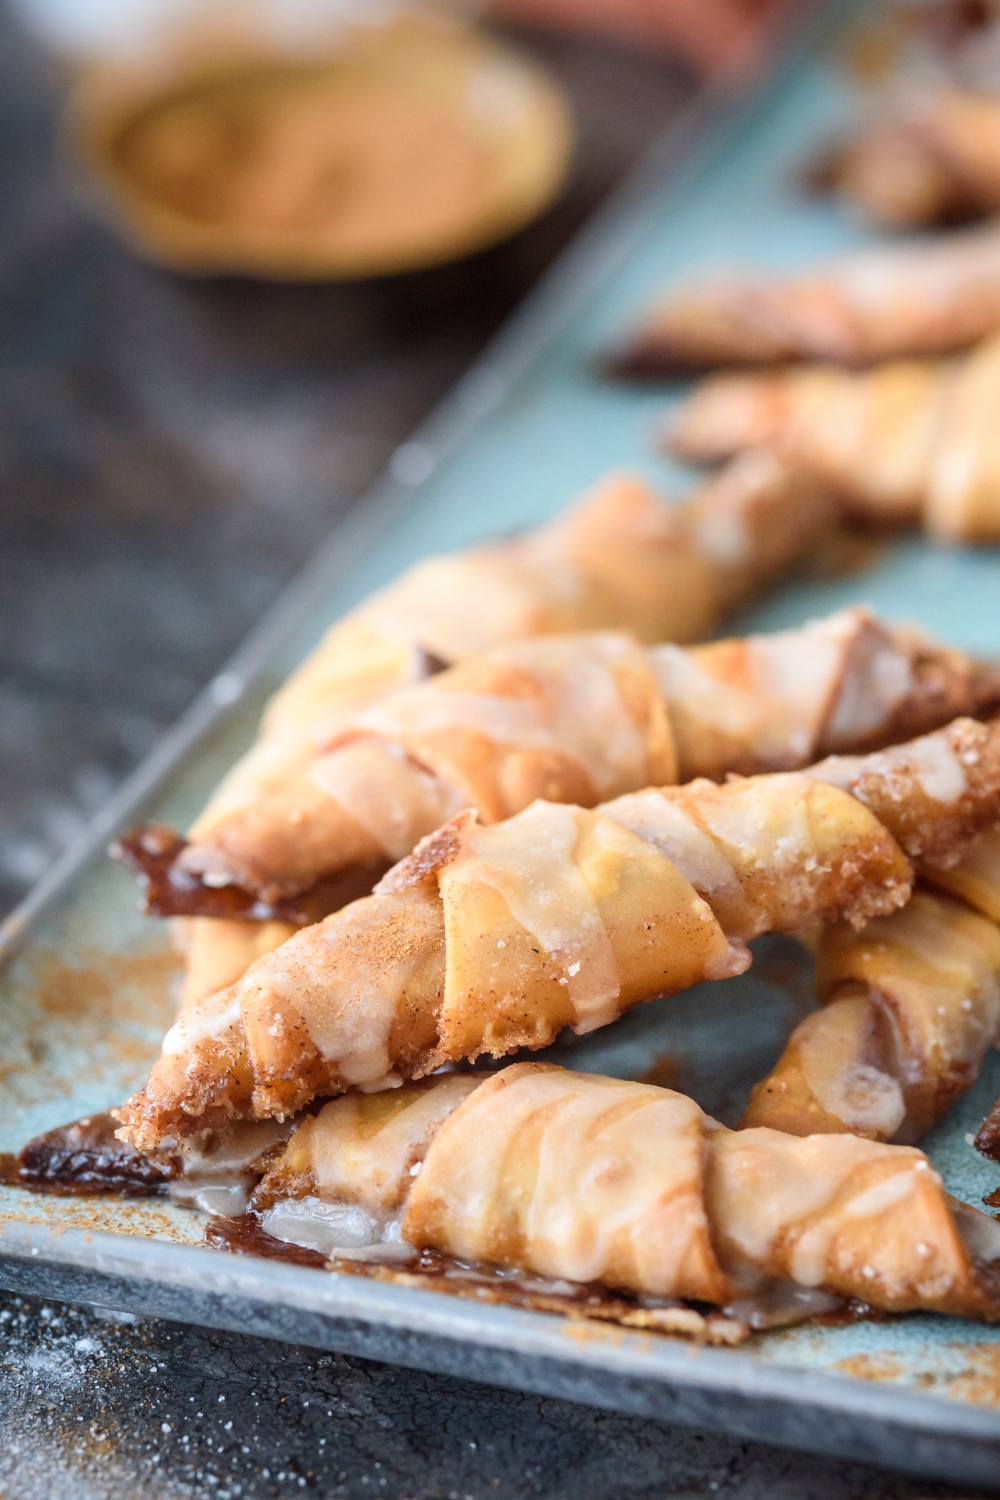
(491,938)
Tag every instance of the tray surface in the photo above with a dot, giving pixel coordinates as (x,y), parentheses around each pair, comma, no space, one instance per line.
(87,984)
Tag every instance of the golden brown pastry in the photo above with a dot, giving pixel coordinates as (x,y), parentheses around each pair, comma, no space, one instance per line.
(936,161)
(930,298)
(911,1006)
(491,938)
(576,718)
(910,1009)
(594,1180)
(217,953)
(975,878)
(620,558)
(907,442)
(935,794)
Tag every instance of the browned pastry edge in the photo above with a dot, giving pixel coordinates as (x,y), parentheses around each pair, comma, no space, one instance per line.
(152,852)
(822,177)
(644,360)
(988,1144)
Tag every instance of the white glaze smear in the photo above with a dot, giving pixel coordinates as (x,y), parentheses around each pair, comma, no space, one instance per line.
(529,861)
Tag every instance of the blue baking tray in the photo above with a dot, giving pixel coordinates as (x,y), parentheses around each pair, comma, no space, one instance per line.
(86,980)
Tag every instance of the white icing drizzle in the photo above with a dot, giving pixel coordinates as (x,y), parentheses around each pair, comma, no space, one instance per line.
(875,1200)
(203,1021)
(580,710)
(810,1256)
(692,693)
(943,947)
(393,799)
(775,1194)
(844,770)
(723,533)
(221,1167)
(428,708)
(618,1191)
(346,987)
(780,1304)
(232,1150)
(214,1196)
(938,769)
(529,860)
(612,1182)
(763,1200)
(669,828)
(930,759)
(375,1168)
(872,688)
(364,1175)
(833,678)
(979,1232)
(457,606)
(862,1096)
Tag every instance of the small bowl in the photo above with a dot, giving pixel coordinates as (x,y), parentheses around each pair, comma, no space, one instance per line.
(393,148)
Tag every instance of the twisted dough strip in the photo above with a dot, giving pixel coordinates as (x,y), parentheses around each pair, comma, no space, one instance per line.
(591,1179)
(976,880)
(620,558)
(578,719)
(932,297)
(903,443)
(911,1008)
(489,939)
(936,162)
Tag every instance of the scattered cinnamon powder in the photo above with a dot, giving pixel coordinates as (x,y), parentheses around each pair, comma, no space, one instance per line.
(108,1008)
(123,987)
(966,1372)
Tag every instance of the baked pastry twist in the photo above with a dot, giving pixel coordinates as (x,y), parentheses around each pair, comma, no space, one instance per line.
(935,161)
(905,443)
(576,718)
(929,298)
(621,558)
(487,939)
(911,1007)
(596,1180)
(909,1012)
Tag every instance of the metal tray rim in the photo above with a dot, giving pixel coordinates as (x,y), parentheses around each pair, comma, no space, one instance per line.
(197,1268)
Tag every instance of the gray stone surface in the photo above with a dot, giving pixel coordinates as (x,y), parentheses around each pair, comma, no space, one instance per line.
(170,452)
(101,1407)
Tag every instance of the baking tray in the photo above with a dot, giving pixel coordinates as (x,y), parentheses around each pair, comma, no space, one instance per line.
(86,979)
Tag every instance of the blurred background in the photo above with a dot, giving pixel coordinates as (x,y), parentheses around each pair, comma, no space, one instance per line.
(173,447)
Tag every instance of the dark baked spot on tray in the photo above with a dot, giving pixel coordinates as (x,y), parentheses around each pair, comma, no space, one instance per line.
(85,1157)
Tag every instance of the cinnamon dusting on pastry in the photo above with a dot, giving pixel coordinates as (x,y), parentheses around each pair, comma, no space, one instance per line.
(444,968)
